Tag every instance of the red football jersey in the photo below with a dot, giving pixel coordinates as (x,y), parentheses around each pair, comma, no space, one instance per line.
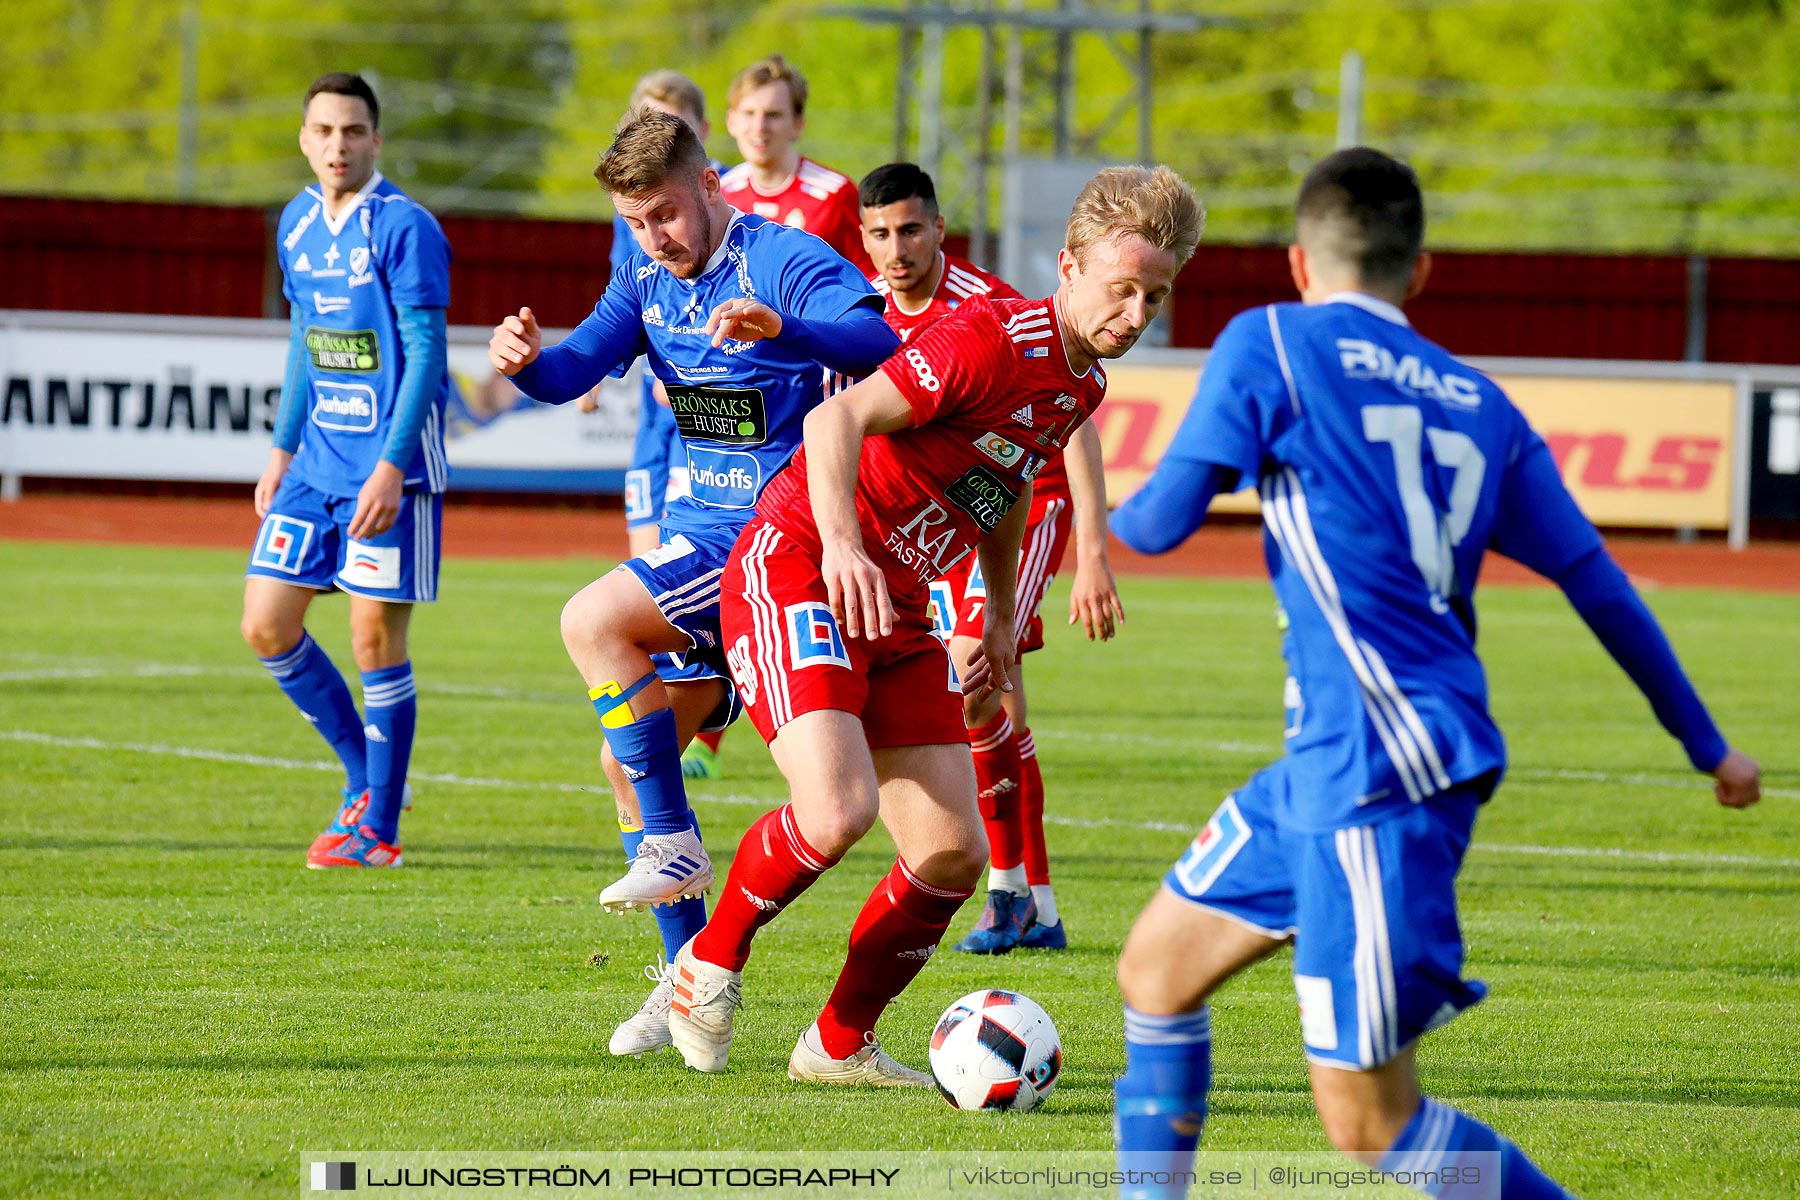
(817,199)
(962,280)
(993,398)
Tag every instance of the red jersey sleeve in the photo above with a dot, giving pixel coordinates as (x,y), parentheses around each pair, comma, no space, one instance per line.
(956,362)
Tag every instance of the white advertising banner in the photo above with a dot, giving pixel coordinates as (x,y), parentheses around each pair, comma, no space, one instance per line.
(134,397)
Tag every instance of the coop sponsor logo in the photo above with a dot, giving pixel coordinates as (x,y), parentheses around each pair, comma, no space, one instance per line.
(344,351)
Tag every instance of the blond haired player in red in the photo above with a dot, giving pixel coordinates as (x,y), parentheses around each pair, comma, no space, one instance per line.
(765,112)
(900,479)
(903,233)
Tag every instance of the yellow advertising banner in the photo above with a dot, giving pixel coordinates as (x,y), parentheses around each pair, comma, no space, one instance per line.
(1654,453)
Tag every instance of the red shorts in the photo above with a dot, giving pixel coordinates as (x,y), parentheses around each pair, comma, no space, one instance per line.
(788,657)
(963,593)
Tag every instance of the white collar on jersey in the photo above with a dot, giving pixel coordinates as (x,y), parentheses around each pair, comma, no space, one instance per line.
(335,225)
(943,270)
(1370,304)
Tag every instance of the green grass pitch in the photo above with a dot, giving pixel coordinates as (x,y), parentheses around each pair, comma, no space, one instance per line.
(184,1010)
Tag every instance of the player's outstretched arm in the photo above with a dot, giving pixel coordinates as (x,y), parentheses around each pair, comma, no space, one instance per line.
(1539,524)
(606,340)
(989,666)
(1094,597)
(1171,505)
(833,436)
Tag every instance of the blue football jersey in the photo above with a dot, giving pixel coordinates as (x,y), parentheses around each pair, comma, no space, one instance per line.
(346,275)
(1383,464)
(739,406)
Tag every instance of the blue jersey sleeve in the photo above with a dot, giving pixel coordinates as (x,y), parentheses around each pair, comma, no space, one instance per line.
(610,337)
(415,258)
(1539,524)
(284,229)
(290,415)
(1239,402)
(816,283)
(1171,505)
(423,334)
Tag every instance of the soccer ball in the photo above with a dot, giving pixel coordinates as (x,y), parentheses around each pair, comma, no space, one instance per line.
(995,1050)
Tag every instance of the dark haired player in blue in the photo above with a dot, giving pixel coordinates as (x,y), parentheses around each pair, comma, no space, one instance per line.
(352,498)
(737,315)
(1387,470)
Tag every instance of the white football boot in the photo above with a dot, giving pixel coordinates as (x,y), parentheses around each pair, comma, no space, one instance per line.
(700,1013)
(667,867)
(869,1067)
(648,1030)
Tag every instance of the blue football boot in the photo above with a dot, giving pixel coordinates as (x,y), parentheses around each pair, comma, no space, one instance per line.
(1004,919)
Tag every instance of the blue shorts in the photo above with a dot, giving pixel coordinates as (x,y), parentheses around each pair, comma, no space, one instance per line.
(1378,953)
(682,577)
(658,445)
(305,540)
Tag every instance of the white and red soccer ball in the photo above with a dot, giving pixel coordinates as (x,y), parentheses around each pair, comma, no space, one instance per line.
(995,1050)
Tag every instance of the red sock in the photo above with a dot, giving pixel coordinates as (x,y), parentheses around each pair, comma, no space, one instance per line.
(895,934)
(710,740)
(1031,812)
(997,788)
(773,866)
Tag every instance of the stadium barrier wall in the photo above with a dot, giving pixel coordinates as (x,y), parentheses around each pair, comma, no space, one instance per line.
(1641,444)
(102,396)
(218,261)
(1649,445)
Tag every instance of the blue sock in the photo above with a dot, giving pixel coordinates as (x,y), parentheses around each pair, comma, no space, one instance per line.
(676,922)
(1441,1141)
(391,707)
(1160,1101)
(649,751)
(309,679)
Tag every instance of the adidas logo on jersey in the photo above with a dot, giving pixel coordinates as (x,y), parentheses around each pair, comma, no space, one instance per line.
(1023,416)
(653,315)
(303,263)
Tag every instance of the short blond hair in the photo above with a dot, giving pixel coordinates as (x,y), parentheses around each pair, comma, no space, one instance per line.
(773,69)
(1153,202)
(669,87)
(648,150)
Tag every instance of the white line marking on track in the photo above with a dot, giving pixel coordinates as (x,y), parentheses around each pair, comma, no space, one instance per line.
(1613,854)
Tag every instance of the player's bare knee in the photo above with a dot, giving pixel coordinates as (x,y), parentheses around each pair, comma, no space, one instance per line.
(267,636)
(580,623)
(1153,978)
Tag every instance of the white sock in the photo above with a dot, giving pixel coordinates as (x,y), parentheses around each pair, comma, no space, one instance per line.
(1045,896)
(1009,879)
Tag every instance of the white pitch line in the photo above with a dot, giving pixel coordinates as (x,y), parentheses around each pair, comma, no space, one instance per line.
(735,798)
(156,670)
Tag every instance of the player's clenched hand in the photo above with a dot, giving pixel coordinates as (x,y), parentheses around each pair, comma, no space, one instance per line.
(378,503)
(270,483)
(1738,780)
(990,663)
(1094,600)
(857,591)
(744,321)
(516,341)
